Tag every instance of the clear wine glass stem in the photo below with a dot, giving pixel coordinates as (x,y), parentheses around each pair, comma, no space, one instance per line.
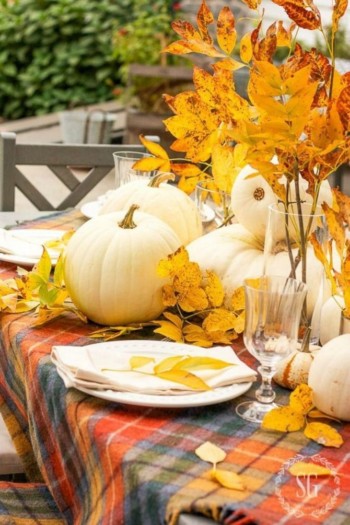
(265,393)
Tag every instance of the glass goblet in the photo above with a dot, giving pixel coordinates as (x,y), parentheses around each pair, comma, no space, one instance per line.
(273,305)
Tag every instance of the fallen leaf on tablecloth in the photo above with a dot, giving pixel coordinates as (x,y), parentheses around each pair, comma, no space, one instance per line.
(323,434)
(301,468)
(283,419)
(228,479)
(210,452)
(317,414)
(300,399)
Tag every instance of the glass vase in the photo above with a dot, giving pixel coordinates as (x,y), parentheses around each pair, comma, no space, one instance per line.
(288,252)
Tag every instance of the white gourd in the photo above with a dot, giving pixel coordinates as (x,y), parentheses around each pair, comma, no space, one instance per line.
(163,200)
(329,378)
(294,369)
(252,196)
(236,254)
(110,267)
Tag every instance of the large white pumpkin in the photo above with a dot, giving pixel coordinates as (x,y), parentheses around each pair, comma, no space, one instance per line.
(161,199)
(110,267)
(252,196)
(329,378)
(330,322)
(236,254)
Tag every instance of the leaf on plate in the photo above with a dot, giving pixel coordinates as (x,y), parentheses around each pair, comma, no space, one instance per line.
(302,468)
(138,361)
(228,479)
(283,419)
(200,363)
(323,434)
(168,363)
(184,377)
(210,453)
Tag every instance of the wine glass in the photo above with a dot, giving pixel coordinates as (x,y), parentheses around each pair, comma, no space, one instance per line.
(273,305)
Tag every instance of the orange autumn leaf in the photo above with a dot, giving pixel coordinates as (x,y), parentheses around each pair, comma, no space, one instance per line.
(343,106)
(226,32)
(323,434)
(303,12)
(185,29)
(204,18)
(301,399)
(283,419)
(339,9)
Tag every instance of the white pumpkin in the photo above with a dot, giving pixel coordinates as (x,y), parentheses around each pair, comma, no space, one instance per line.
(110,267)
(251,198)
(294,369)
(329,378)
(163,200)
(330,321)
(235,254)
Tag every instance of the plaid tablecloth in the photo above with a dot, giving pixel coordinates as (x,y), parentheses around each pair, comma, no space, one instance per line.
(107,463)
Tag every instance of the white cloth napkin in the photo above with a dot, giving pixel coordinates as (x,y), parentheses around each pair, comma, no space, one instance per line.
(86,366)
(31,247)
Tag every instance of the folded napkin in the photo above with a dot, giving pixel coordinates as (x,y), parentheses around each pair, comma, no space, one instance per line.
(13,243)
(107,366)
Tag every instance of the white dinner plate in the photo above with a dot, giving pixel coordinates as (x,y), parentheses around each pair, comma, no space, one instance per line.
(211,397)
(156,348)
(37,236)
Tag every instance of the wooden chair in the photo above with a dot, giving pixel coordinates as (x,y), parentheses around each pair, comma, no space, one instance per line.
(60,159)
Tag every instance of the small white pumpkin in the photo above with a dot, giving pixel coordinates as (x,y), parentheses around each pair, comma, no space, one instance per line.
(329,378)
(252,196)
(294,369)
(235,254)
(330,321)
(163,200)
(110,267)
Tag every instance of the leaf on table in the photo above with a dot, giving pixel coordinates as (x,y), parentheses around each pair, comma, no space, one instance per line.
(138,361)
(283,419)
(210,453)
(317,414)
(323,434)
(300,399)
(228,479)
(302,468)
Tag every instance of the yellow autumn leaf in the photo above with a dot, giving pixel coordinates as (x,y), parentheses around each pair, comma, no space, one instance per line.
(323,434)
(169,330)
(302,468)
(192,299)
(238,299)
(195,334)
(201,363)
(239,323)
(168,363)
(283,419)
(225,30)
(317,414)
(219,319)
(228,479)
(301,400)
(214,289)
(223,164)
(44,266)
(154,148)
(138,361)
(185,378)
(210,452)
(246,48)
(173,264)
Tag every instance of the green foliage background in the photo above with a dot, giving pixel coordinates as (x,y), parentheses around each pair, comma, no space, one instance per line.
(56,54)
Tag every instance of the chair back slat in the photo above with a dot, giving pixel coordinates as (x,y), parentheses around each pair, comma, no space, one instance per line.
(62,161)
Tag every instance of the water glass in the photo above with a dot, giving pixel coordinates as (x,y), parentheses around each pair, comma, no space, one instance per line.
(123,162)
(273,306)
(214,205)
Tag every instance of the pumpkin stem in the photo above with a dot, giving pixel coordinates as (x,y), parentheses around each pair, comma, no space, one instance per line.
(305,344)
(161,177)
(128,222)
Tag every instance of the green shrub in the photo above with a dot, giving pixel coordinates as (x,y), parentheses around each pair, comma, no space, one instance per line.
(56,54)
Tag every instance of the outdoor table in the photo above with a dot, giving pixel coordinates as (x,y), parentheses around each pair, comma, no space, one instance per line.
(108,463)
